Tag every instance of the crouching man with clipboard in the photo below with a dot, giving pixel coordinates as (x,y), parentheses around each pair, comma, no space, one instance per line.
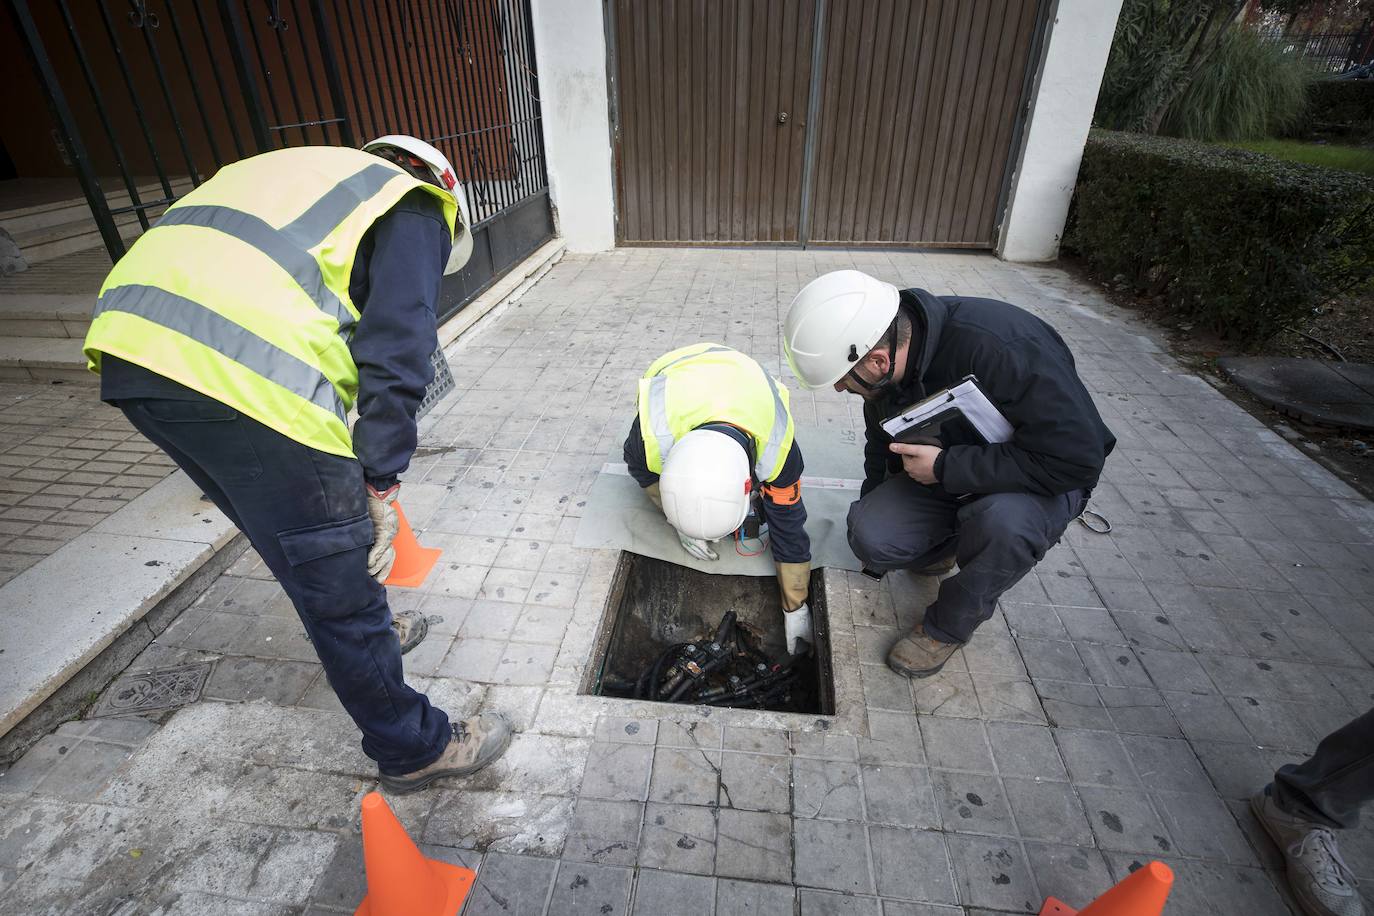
(988,473)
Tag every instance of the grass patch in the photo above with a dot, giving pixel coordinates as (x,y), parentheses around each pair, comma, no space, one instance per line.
(1350,158)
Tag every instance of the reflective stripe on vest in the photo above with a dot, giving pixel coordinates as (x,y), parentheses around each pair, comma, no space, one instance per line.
(177,313)
(661,427)
(658,402)
(241,290)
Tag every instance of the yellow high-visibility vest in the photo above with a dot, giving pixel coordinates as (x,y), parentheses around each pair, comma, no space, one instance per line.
(240,291)
(711,383)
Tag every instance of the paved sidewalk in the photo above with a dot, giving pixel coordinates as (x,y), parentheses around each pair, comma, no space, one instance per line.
(67,462)
(1122,704)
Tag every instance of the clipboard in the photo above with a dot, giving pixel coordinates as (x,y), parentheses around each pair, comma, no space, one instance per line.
(965,405)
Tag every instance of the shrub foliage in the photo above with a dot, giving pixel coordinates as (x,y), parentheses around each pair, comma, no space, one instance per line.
(1250,89)
(1238,241)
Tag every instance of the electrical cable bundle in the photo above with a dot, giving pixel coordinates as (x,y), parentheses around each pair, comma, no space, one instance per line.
(730,670)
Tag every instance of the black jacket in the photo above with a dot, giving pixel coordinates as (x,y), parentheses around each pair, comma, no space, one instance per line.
(1059,443)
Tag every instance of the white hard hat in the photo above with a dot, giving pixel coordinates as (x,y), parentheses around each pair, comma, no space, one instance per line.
(833,323)
(446,178)
(705,485)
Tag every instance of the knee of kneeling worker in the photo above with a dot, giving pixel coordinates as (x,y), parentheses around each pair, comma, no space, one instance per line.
(1009,523)
(873,545)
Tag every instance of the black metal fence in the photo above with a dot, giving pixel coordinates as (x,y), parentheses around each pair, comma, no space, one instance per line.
(1331,52)
(161,93)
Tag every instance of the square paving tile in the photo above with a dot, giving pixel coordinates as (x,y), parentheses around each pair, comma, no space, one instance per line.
(581,889)
(993,872)
(898,795)
(678,838)
(956,744)
(1047,811)
(972,803)
(1025,750)
(912,865)
(604,832)
(755,845)
(749,898)
(687,777)
(833,855)
(753,782)
(1095,758)
(618,771)
(1126,821)
(826,788)
(661,893)
(510,884)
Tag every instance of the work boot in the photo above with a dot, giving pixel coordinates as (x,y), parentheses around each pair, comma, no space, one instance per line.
(919,655)
(410,628)
(1321,882)
(476,742)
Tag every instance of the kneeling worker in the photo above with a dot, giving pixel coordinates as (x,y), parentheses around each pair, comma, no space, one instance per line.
(998,507)
(236,334)
(713,432)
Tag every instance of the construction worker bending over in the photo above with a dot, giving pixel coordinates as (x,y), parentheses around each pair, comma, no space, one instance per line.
(714,436)
(237,333)
(995,508)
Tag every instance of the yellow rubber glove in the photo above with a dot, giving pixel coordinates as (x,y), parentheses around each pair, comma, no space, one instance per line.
(794,583)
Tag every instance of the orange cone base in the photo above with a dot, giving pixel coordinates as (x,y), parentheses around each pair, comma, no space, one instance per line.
(1141,893)
(457,880)
(413,562)
(401,881)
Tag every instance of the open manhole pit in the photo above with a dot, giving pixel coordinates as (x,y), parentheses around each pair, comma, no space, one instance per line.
(673,634)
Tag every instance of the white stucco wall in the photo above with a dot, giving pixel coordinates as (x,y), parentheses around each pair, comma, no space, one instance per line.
(1061,112)
(570,47)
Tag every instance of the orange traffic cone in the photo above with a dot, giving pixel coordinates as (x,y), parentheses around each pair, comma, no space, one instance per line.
(401,881)
(413,562)
(1141,893)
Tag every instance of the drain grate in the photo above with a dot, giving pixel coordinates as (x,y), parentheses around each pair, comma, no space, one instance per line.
(161,688)
(440,386)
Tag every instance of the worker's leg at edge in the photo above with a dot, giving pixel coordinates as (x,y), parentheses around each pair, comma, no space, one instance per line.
(1329,787)
(1001,538)
(305,513)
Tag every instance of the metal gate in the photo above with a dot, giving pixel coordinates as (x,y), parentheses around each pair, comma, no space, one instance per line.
(712,119)
(853,122)
(164,92)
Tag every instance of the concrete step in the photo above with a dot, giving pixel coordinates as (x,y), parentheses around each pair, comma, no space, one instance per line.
(44,359)
(52,230)
(76,209)
(45,315)
(51,242)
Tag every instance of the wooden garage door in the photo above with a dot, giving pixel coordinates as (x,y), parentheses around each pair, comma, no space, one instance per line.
(915,116)
(711,118)
(916,119)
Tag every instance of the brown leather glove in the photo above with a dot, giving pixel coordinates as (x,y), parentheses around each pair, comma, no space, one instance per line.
(651,491)
(794,583)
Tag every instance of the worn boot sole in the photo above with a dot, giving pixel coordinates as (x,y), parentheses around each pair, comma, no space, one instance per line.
(915,673)
(399,785)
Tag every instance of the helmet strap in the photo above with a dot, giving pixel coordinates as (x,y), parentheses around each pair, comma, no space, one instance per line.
(886,381)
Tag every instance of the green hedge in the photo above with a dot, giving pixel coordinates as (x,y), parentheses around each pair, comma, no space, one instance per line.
(1341,108)
(1238,241)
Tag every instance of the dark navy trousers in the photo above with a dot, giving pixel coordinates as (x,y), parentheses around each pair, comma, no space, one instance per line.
(305,511)
(996,538)
(1329,787)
